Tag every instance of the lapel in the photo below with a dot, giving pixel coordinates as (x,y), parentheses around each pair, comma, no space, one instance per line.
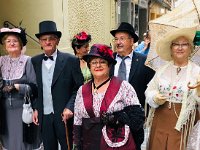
(58,67)
(113,66)
(39,68)
(134,65)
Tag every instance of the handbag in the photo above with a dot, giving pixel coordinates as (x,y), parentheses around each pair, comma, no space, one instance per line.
(27,112)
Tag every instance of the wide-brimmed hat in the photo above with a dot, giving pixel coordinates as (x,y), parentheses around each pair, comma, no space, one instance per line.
(102,51)
(48,27)
(17,31)
(126,27)
(163,45)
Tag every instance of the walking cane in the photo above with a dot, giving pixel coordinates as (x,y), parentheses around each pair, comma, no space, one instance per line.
(67,135)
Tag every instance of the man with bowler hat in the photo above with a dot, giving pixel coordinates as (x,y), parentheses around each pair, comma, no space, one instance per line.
(58,77)
(130,65)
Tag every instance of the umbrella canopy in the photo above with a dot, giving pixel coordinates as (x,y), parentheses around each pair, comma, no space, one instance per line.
(185,15)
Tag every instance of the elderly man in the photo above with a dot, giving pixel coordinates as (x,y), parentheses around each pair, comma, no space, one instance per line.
(58,77)
(130,65)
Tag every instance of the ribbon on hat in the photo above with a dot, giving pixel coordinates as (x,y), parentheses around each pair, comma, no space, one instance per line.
(10,30)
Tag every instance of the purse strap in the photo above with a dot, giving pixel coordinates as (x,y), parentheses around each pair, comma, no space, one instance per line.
(27,95)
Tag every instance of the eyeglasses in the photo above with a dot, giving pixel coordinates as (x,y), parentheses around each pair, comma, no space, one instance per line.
(50,39)
(121,39)
(177,45)
(101,63)
(11,41)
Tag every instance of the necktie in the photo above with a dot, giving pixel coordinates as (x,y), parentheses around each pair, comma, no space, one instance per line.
(122,68)
(48,57)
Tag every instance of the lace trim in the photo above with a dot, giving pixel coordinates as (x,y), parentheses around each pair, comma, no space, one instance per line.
(13,68)
(116,144)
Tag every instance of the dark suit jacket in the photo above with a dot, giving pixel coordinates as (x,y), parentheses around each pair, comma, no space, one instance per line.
(139,76)
(67,78)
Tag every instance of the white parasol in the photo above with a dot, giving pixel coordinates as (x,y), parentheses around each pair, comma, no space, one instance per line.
(185,15)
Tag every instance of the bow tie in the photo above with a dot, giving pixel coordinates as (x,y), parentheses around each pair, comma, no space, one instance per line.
(48,57)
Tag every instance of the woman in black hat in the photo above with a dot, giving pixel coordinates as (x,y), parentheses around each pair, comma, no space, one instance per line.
(80,45)
(107,111)
(18,78)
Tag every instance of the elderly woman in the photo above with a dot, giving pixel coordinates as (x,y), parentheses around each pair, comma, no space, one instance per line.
(107,111)
(18,78)
(174,104)
(80,45)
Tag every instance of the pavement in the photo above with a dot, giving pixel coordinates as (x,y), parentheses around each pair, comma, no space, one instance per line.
(143,146)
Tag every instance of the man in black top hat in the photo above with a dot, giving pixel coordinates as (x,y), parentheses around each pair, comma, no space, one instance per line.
(58,77)
(130,65)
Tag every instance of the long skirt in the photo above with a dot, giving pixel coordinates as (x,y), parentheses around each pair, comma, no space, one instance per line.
(163,136)
(12,138)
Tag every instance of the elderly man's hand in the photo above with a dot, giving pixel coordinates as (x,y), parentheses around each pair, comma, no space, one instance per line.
(159,99)
(67,114)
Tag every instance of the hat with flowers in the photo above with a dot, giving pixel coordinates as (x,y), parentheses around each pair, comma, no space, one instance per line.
(102,51)
(81,38)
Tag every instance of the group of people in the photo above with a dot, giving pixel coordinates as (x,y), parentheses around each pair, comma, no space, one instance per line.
(95,98)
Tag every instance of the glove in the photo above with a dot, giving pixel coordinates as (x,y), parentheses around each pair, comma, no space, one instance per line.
(123,118)
(159,99)
(8,88)
(108,118)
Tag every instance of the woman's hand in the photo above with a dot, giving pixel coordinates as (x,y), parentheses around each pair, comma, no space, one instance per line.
(159,99)
(35,117)
(9,88)
(197,86)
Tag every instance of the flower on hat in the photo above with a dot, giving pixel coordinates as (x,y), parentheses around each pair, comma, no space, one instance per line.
(102,51)
(81,38)
(105,51)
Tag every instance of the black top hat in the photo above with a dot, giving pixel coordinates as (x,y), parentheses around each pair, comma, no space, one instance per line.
(17,31)
(126,27)
(102,51)
(48,27)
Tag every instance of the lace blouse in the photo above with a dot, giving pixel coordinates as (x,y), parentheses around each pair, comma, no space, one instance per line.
(126,96)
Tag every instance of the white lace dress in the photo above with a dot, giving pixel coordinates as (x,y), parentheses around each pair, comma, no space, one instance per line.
(194,137)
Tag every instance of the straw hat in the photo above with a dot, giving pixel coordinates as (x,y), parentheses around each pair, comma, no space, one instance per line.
(163,45)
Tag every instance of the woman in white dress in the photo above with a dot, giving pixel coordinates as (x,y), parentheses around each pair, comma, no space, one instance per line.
(174,105)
